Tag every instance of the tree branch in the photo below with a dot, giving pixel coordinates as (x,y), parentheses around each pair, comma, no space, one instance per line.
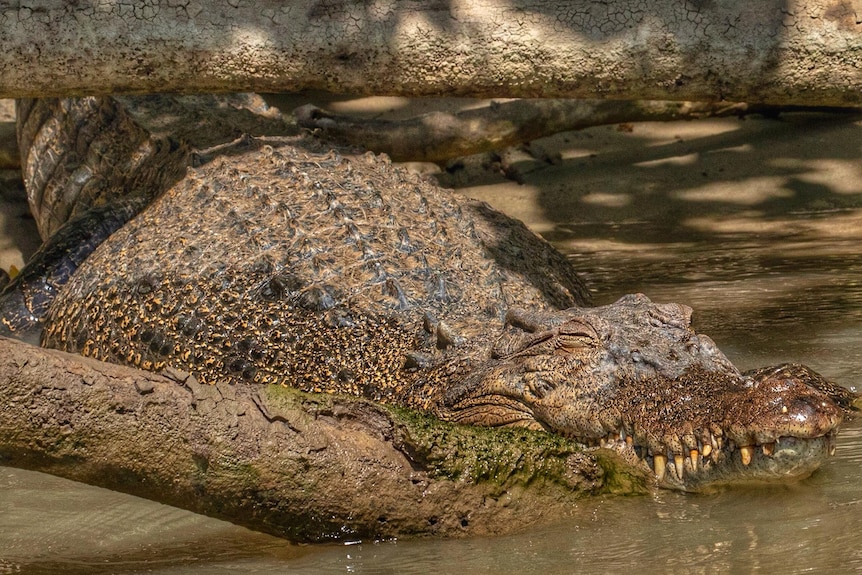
(441,136)
(777,51)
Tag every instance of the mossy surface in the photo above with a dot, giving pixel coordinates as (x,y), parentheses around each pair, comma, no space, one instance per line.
(620,477)
(501,458)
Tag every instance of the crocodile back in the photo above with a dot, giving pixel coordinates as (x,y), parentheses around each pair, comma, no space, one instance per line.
(289,265)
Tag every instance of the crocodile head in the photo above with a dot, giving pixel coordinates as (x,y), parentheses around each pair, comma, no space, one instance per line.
(636,377)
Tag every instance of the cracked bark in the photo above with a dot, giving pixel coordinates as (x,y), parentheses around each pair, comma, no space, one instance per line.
(778,52)
(303,466)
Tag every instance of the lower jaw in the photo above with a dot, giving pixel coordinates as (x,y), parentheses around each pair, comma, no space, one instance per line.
(791,459)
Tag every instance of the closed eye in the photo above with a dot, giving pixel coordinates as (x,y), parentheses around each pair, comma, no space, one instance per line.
(577,330)
(575,341)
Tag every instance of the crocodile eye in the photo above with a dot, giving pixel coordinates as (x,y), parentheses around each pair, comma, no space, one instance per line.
(560,338)
(576,334)
(573,342)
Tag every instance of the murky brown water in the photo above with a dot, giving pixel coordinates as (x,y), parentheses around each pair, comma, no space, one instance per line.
(756,225)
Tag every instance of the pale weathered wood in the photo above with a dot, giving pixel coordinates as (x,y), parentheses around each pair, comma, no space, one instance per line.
(775,51)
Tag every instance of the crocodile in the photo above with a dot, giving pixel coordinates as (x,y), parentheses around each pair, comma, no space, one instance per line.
(290,262)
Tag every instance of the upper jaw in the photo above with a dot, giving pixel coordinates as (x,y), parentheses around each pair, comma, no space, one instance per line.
(728,429)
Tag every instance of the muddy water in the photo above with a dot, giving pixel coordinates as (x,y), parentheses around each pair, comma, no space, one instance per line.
(757,225)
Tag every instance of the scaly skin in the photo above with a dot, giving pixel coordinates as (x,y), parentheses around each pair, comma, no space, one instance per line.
(284,266)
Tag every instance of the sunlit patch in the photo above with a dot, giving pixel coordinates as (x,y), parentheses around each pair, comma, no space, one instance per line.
(608,200)
(681,160)
(835,176)
(756,191)
(664,133)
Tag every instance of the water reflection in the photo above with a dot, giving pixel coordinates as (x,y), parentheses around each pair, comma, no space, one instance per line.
(51,525)
(774,277)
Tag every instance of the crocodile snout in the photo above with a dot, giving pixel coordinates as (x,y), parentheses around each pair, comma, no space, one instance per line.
(791,407)
(781,426)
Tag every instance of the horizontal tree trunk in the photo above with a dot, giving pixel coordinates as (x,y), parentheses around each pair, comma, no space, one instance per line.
(775,51)
(303,466)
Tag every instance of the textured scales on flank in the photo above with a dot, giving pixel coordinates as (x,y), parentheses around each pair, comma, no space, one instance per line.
(285,266)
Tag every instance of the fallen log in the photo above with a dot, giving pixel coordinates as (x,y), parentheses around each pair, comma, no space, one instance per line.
(308,467)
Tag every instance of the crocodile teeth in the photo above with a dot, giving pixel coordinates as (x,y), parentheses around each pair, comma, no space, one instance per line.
(707,449)
(678,461)
(746,451)
(693,456)
(660,465)
(768,448)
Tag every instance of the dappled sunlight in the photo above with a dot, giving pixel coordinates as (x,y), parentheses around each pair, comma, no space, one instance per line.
(681,160)
(756,224)
(576,153)
(755,191)
(690,159)
(607,200)
(642,251)
(370,105)
(816,235)
(701,181)
(392,107)
(840,176)
(662,133)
